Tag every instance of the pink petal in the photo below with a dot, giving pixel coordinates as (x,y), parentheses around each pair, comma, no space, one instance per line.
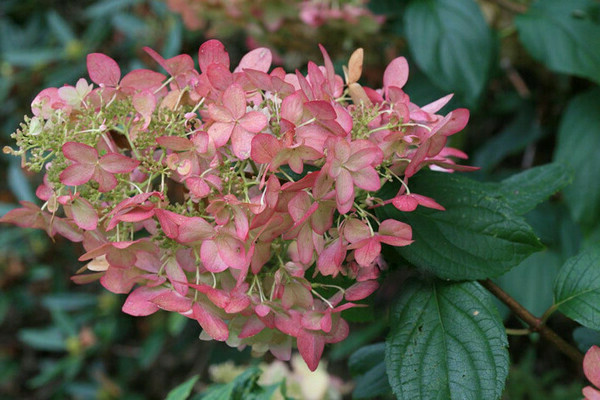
(310,346)
(321,109)
(437,105)
(220,113)
(212,52)
(171,300)
(103,70)
(395,233)
(590,393)
(253,326)
(344,186)
(356,230)
(241,142)
(360,290)
(219,76)
(116,163)
(176,276)
(212,324)
(427,201)
(396,73)
(106,180)
(84,214)
(79,152)
(220,132)
(292,107)
(142,79)
(180,64)
(144,103)
(232,251)
(77,174)
(330,260)
(254,121)
(139,304)
(367,179)
(258,59)
(367,252)
(175,143)
(457,122)
(234,98)
(194,229)
(209,255)
(591,365)
(305,244)
(168,222)
(264,148)
(405,203)
(299,207)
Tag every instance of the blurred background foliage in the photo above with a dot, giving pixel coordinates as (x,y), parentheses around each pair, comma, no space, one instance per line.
(528,71)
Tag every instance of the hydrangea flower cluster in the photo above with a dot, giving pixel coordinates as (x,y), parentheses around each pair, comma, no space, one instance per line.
(243,200)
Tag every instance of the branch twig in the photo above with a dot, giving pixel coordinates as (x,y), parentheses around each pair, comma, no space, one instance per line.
(536,324)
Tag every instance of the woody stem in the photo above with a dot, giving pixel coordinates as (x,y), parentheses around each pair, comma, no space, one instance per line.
(535,324)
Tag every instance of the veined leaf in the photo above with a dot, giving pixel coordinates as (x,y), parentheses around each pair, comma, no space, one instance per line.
(451,43)
(563,35)
(578,143)
(577,288)
(446,342)
(478,235)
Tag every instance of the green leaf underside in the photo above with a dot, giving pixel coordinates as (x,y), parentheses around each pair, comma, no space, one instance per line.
(578,143)
(577,288)
(446,342)
(451,43)
(478,235)
(563,35)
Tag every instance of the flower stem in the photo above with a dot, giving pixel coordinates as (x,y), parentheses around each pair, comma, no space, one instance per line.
(536,324)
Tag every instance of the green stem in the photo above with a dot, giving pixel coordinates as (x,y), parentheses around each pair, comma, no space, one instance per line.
(535,324)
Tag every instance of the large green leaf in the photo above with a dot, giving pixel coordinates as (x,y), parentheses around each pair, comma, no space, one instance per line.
(577,288)
(578,144)
(478,236)
(446,342)
(563,35)
(525,190)
(451,42)
(367,366)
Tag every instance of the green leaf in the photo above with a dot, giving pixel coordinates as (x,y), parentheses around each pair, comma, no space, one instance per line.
(525,190)
(46,339)
(18,183)
(531,282)
(182,391)
(563,35)
(586,338)
(451,42)
(520,132)
(60,27)
(578,142)
(69,301)
(577,288)
(478,235)
(239,389)
(367,365)
(447,342)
